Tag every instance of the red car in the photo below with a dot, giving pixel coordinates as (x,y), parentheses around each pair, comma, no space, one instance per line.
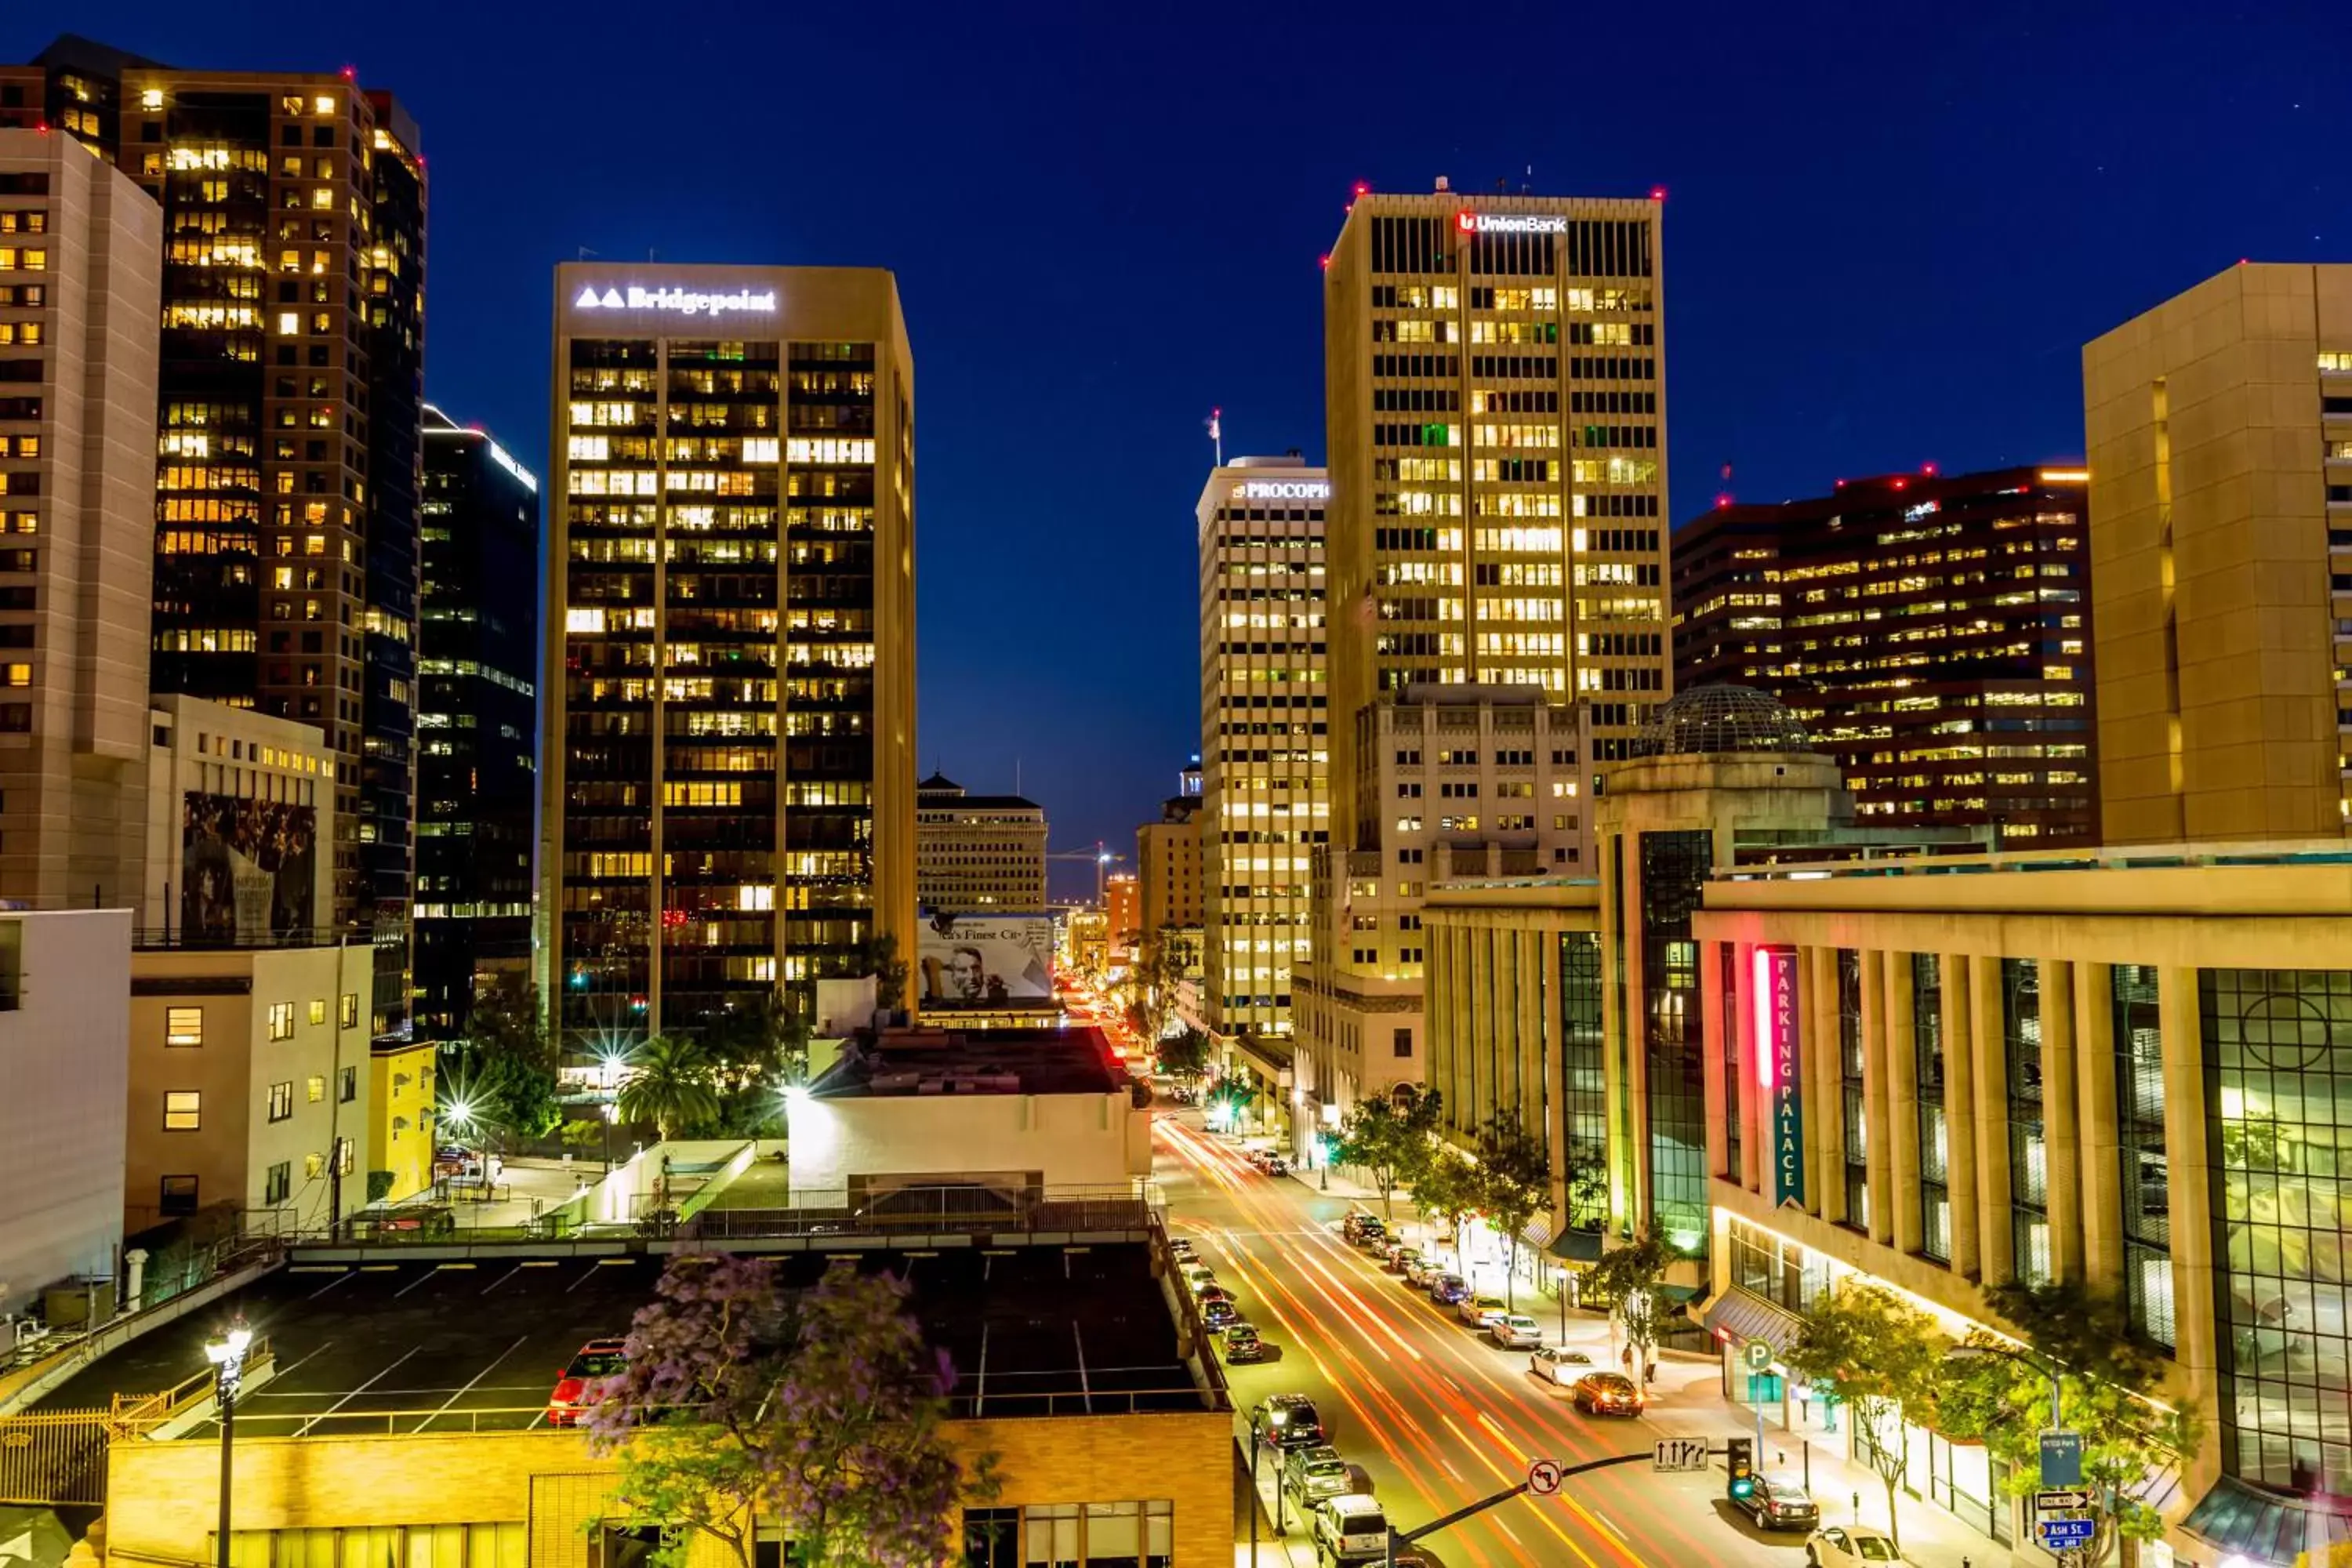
(591,1374)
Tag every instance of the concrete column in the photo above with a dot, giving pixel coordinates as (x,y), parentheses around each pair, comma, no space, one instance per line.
(1722,1092)
(1818,1083)
(2191,1163)
(1529,992)
(2096,1124)
(1754,1120)
(1959,1112)
(1878,1096)
(1894,1164)
(2061,1136)
(1555,1070)
(1991,1109)
(1481,1089)
(1636,1087)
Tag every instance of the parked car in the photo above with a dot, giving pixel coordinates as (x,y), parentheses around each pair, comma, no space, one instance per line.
(1420,1268)
(1220,1315)
(1199,1277)
(1351,1528)
(1217,1293)
(1287,1421)
(1402,1259)
(1607,1394)
(1475,1311)
(1311,1474)
(1849,1546)
(588,1378)
(1352,1229)
(1276,1165)
(1388,1251)
(1447,1288)
(1515,1331)
(1241,1344)
(1559,1364)
(1183,1250)
(1372,1234)
(1777,1505)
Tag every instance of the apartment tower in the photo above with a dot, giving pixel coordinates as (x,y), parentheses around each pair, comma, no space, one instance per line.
(729,782)
(1264,750)
(1932,633)
(477,722)
(291,396)
(2219,427)
(1494,380)
(79,253)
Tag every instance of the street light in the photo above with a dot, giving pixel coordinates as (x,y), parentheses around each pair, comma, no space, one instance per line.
(1257,1446)
(608,1072)
(226,1353)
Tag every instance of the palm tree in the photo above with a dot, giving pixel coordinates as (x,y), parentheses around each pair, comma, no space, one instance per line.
(669,1085)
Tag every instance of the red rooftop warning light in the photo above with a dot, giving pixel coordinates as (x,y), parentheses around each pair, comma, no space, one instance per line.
(1658,193)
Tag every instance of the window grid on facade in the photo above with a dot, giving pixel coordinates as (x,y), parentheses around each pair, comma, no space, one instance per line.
(2278,1099)
(1732,1129)
(2029,1163)
(1060,1535)
(1672,866)
(1935,1135)
(2139,1144)
(1852,1103)
(1582,1072)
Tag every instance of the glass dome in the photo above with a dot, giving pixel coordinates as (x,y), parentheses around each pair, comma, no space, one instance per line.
(1709,718)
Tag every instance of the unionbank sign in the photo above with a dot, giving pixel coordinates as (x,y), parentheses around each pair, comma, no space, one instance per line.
(1774,997)
(682,301)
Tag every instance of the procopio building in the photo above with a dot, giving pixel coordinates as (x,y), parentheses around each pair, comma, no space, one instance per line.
(1496,409)
(729,769)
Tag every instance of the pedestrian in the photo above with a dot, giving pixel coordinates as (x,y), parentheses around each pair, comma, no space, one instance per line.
(1627,1358)
(1649,1372)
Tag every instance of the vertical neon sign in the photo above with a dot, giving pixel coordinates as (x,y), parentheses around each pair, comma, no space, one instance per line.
(1773,991)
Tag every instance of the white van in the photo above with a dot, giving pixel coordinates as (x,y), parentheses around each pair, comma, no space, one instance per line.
(1351,1528)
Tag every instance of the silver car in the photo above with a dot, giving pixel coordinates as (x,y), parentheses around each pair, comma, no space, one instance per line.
(1310,1475)
(1560,1366)
(1515,1331)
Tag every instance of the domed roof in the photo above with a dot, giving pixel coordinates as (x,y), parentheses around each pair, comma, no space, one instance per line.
(1708,719)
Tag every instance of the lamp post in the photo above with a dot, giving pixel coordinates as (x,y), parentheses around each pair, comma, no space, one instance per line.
(226,1353)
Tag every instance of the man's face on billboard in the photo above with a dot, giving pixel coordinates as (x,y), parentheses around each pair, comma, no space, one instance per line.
(964,974)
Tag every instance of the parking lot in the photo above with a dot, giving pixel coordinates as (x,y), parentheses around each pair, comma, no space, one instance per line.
(477,1344)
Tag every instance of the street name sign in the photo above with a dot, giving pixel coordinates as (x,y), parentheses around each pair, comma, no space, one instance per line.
(1680,1453)
(2058,1533)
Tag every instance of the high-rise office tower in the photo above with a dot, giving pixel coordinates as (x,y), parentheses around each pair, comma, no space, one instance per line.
(80,248)
(977,854)
(2219,428)
(1264,753)
(1495,383)
(1931,632)
(289,394)
(477,721)
(728,778)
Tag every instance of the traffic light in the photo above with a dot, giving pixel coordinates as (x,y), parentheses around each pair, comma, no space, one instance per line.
(1740,1455)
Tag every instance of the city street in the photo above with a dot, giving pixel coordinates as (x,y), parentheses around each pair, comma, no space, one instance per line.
(1436,1417)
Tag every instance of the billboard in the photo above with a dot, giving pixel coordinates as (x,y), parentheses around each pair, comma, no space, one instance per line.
(1774,997)
(248,869)
(986,960)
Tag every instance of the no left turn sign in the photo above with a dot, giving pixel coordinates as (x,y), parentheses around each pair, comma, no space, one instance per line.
(1543,1478)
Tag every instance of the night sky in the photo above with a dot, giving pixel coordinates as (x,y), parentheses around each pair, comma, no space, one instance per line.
(1885,242)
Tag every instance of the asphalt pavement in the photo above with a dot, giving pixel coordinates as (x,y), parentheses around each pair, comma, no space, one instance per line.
(1435,1416)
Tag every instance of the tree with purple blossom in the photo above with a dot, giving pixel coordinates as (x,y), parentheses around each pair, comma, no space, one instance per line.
(819,1411)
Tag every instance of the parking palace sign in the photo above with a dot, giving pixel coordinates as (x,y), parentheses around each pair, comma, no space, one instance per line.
(1774,997)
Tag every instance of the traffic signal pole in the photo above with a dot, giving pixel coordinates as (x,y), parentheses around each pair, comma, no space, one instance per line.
(1483,1504)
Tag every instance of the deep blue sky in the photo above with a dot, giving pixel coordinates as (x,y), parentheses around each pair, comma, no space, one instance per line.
(1889,229)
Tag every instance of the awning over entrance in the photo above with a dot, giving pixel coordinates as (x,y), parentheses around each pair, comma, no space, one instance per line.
(1740,1317)
(2264,1526)
(1576,1247)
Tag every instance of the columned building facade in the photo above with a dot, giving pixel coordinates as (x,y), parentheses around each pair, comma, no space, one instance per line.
(728,779)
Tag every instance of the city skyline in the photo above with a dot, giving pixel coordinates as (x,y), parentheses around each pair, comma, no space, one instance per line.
(2008,236)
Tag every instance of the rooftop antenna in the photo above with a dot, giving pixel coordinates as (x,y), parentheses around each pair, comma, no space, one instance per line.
(585,253)
(1217,433)
(1016,775)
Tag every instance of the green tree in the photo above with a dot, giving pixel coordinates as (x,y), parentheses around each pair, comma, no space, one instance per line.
(1445,1188)
(879,956)
(1159,971)
(2110,1383)
(1632,1279)
(1514,1183)
(1588,1185)
(1388,1139)
(669,1085)
(1185,1057)
(1879,1357)
(820,1409)
(500,1076)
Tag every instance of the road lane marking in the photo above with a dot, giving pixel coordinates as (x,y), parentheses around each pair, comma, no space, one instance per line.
(473,1380)
(304,1429)
(329,1285)
(501,1279)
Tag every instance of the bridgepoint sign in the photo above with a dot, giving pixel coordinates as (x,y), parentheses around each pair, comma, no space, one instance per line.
(1509,223)
(684,301)
(1283,490)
